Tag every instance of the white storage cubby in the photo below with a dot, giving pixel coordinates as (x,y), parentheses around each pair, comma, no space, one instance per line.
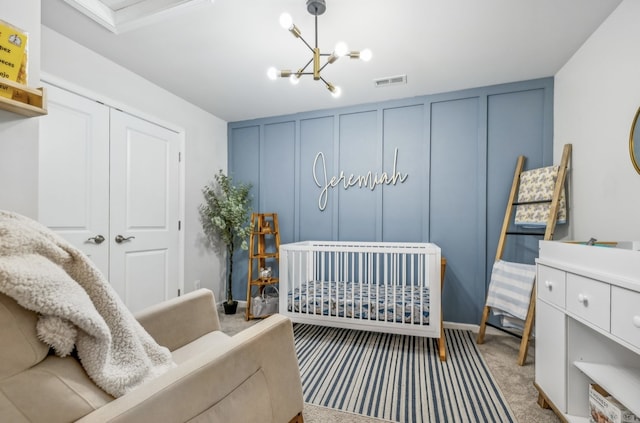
(587,326)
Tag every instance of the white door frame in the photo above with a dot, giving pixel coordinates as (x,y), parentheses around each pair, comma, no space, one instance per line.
(92,95)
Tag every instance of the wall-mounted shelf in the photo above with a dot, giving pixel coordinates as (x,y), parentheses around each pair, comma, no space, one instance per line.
(26,102)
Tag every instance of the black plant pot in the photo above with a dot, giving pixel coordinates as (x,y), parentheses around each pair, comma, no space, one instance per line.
(230,308)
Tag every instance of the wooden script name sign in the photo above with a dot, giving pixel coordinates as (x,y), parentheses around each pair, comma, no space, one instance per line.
(369,180)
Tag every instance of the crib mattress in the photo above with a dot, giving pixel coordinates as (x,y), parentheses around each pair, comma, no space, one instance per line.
(405,304)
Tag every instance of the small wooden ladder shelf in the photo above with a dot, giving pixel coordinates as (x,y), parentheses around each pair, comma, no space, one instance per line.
(548,235)
(264,251)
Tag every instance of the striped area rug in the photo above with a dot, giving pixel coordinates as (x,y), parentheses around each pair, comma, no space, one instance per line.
(398,377)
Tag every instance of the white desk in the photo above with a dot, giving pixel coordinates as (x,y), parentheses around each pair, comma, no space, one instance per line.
(587,326)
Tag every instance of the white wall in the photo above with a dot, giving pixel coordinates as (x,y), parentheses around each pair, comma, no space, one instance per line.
(206,135)
(597,94)
(19,135)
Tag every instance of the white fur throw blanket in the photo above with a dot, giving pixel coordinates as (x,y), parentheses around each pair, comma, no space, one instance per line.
(77,306)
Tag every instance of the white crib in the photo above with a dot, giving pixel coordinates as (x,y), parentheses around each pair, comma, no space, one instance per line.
(377,286)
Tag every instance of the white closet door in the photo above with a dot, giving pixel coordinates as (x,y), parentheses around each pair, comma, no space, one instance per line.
(73,177)
(144,210)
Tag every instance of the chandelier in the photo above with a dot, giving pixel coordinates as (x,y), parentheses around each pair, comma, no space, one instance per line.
(316,8)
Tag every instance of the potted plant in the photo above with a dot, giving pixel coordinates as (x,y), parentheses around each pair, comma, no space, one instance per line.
(225,219)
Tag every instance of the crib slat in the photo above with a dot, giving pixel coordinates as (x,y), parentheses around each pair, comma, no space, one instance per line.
(307,258)
(394,267)
(421,284)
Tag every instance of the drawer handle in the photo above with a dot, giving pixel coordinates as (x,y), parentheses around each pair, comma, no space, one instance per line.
(549,285)
(636,321)
(583,299)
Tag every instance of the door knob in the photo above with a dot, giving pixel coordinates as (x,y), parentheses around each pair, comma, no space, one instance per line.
(98,239)
(120,238)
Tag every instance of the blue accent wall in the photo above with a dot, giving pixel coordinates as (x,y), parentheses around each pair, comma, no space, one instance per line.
(456,212)
(404,129)
(311,222)
(453,157)
(358,153)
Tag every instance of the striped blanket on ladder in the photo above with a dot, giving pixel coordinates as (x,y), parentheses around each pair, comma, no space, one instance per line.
(510,291)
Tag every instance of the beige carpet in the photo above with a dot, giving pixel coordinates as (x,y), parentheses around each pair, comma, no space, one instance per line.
(516,382)
(500,353)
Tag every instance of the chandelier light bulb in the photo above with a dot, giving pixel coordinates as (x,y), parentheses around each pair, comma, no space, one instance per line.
(286,21)
(341,49)
(272,73)
(294,79)
(335,91)
(366,55)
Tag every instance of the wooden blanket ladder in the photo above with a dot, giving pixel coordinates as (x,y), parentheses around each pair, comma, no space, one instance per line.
(548,235)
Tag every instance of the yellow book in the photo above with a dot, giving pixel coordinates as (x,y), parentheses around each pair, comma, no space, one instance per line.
(13,43)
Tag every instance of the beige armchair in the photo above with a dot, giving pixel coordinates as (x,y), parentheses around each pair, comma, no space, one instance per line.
(250,377)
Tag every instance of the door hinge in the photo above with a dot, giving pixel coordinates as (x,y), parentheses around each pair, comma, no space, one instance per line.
(178,292)
(179,156)
(179,225)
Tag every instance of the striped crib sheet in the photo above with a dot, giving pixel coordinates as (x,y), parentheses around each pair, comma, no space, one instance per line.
(391,303)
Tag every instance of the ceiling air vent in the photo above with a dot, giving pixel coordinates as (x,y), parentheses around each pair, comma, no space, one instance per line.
(391,80)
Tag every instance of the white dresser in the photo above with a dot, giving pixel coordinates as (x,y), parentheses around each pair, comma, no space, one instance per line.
(587,326)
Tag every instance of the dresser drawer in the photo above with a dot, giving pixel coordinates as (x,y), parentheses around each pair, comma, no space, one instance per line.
(551,285)
(589,299)
(625,315)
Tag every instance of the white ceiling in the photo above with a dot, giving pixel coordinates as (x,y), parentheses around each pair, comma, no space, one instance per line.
(216,54)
